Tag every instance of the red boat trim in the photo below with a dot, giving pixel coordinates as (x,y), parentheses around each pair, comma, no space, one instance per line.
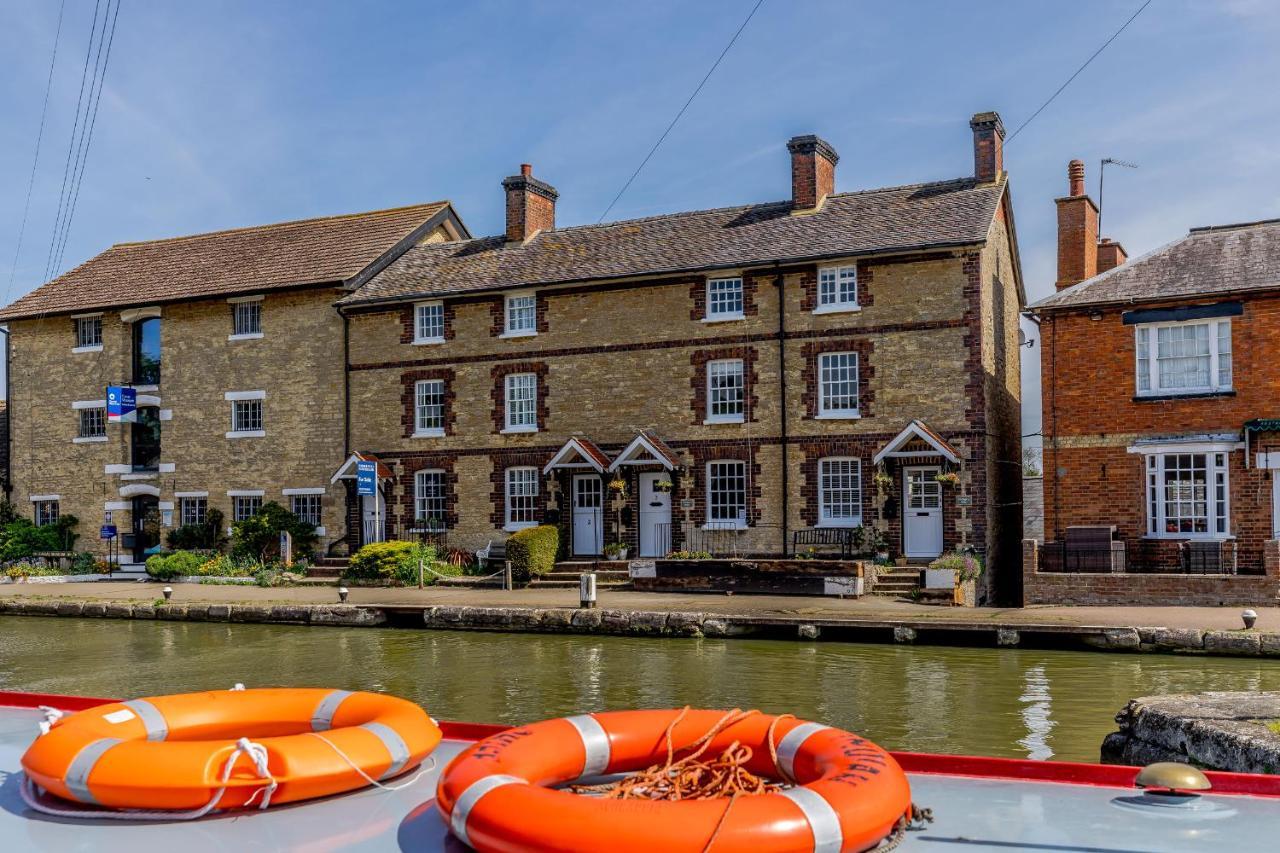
(970,766)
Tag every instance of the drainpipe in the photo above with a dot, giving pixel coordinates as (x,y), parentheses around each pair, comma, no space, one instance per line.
(782,404)
(8,416)
(346,387)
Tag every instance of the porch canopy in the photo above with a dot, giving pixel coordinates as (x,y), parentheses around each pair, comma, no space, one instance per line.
(917,441)
(347,470)
(578,452)
(646,449)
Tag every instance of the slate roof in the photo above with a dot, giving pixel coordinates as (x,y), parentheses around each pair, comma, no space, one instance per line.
(946,213)
(265,257)
(1209,261)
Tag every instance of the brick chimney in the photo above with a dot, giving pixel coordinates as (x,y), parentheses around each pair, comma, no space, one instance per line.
(1110,255)
(813,171)
(1077,231)
(531,205)
(988,146)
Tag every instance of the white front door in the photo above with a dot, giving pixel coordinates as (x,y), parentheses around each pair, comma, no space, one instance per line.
(921,512)
(588,507)
(655,517)
(373,514)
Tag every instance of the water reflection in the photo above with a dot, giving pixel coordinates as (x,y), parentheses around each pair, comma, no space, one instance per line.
(1006,702)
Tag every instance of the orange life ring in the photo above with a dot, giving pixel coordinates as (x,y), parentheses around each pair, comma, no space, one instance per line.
(497,795)
(170,752)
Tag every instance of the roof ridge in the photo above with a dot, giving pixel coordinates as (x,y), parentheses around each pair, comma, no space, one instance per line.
(703,211)
(1235,226)
(286,223)
(1051,301)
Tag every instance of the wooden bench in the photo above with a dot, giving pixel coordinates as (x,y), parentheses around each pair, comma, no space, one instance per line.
(824,537)
(56,559)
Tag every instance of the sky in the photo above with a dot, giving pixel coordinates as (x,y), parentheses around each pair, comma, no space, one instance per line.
(225,114)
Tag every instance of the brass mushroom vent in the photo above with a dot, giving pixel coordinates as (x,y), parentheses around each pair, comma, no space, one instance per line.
(1172,777)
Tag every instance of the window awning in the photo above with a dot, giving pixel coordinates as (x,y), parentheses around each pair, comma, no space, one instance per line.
(347,471)
(646,449)
(918,432)
(579,453)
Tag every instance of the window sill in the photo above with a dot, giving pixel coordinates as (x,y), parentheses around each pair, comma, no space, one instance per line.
(512,527)
(89,439)
(724,318)
(1190,395)
(245,336)
(320,531)
(428,433)
(838,308)
(516,430)
(247,433)
(531,334)
(145,388)
(720,525)
(839,525)
(97,348)
(428,342)
(1190,537)
(713,421)
(837,416)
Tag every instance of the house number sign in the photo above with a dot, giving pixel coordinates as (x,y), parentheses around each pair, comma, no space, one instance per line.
(964,500)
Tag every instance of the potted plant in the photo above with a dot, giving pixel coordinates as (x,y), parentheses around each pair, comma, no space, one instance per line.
(948,478)
(952,569)
(881,478)
(617,484)
(615,551)
(663,485)
(900,561)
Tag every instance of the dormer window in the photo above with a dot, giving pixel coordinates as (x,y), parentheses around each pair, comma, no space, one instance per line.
(428,323)
(521,315)
(837,289)
(724,299)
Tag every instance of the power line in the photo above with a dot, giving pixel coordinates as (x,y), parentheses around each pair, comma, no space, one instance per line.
(661,138)
(31,182)
(88,139)
(1105,44)
(71,146)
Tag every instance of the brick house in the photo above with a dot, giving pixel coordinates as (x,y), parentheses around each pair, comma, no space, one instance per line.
(744,372)
(1159,383)
(235,350)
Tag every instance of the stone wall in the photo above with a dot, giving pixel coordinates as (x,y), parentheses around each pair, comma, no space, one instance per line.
(1150,589)
(297,363)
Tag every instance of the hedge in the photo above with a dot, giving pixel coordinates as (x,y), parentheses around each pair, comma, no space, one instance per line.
(166,567)
(532,551)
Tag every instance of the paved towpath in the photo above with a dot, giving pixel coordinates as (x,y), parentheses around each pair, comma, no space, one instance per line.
(870,608)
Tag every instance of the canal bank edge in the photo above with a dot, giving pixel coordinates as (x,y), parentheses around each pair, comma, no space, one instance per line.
(663,623)
(1217,731)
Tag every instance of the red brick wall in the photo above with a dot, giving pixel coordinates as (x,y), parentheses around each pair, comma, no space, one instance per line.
(1150,589)
(1077,240)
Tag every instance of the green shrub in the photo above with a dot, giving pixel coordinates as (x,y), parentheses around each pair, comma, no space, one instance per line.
(199,537)
(691,555)
(84,563)
(21,538)
(165,567)
(379,560)
(532,551)
(258,537)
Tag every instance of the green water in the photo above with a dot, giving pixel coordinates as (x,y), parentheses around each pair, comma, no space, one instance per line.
(1002,702)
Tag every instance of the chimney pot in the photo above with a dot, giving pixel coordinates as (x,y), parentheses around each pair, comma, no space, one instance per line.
(813,171)
(988,146)
(1075,178)
(531,205)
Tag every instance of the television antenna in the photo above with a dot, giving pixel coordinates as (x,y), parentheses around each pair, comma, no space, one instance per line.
(1102,173)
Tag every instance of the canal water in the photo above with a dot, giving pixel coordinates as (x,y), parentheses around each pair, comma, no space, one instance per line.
(1002,702)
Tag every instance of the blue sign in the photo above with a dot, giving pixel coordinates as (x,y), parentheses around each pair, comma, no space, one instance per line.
(366,478)
(122,404)
(108,531)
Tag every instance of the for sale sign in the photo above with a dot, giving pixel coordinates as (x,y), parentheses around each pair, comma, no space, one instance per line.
(122,404)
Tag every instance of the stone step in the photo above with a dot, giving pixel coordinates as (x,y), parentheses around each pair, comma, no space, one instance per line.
(601,574)
(325,571)
(542,583)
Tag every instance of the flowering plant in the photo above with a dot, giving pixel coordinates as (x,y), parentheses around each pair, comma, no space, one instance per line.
(966,566)
(948,478)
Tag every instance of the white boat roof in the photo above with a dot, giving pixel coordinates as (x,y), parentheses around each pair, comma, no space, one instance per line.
(971,814)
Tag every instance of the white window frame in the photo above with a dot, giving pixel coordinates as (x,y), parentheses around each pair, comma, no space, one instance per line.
(1217,500)
(246,308)
(1146,339)
(713,367)
(421,421)
(200,505)
(715,312)
(426,499)
(510,327)
(87,411)
(421,328)
(836,276)
(249,499)
(310,500)
(79,320)
(521,485)
(739,519)
(824,497)
(826,411)
(242,420)
(45,510)
(527,407)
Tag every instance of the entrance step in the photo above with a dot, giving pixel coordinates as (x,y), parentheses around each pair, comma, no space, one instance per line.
(898,582)
(543,583)
(326,572)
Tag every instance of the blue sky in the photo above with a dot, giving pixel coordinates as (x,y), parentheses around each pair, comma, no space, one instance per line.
(223,114)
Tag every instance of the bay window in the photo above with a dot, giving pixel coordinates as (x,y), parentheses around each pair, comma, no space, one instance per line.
(1187,495)
(1183,358)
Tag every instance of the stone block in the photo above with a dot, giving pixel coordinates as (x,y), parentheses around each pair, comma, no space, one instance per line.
(713,627)
(218,612)
(119,611)
(684,624)
(70,608)
(557,619)
(174,612)
(904,634)
(291,613)
(94,608)
(144,611)
(808,632)
(348,616)
(1172,639)
(527,618)
(648,623)
(250,613)
(1269,644)
(1007,637)
(197,612)
(1232,642)
(587,620)
(1116,639)
(615,621)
